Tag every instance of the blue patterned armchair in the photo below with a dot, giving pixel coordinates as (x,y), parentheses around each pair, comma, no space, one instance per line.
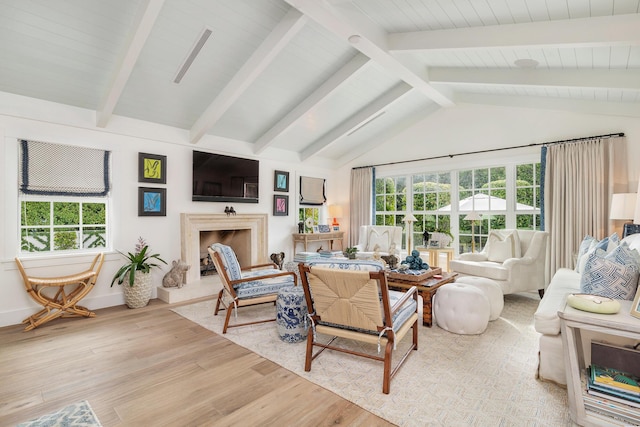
(253,285)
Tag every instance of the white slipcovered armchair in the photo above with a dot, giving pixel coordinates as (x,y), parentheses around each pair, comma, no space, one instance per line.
(515,259)
(381,235)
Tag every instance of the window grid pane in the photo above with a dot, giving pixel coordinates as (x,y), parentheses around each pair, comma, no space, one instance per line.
(483,189)
(67,232)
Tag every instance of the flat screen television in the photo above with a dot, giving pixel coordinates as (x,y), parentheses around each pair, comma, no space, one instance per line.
(220,178)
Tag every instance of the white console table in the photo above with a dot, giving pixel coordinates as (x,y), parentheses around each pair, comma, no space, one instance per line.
(572,323)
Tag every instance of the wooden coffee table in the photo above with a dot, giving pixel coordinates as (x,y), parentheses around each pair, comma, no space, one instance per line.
(427,289)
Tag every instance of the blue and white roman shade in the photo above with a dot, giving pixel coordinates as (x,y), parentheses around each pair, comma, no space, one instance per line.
(63,170)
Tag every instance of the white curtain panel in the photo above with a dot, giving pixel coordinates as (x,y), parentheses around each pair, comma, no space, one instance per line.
(580,179)
(360,201)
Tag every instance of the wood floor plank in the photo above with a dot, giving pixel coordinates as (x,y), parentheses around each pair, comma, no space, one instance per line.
(150,366)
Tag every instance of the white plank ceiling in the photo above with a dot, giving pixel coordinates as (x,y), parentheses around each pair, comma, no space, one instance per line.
(330,79)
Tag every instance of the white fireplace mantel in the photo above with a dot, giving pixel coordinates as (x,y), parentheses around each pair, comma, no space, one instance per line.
(192,224)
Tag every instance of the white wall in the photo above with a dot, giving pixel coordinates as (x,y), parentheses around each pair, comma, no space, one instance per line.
(67,125)
(470,128)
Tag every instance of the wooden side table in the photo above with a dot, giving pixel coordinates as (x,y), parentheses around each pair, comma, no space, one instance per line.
(434,256)
(572,324)
(305,238)
(426,288)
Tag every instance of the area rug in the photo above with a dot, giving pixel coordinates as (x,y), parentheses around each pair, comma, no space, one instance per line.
(78,414)
(452,380)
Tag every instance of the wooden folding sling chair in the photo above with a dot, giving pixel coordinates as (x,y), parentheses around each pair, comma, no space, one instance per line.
(60,295)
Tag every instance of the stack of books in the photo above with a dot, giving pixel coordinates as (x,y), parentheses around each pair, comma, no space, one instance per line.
(330,254)
(613,392)
(306,256)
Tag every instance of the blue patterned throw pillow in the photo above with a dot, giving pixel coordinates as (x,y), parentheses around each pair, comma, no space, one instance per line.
(613,275)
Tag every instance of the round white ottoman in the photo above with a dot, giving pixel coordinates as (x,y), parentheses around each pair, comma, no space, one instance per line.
(491,289)
(461,308)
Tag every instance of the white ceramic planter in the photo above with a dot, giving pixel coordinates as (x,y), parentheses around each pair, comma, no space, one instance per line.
(139,294)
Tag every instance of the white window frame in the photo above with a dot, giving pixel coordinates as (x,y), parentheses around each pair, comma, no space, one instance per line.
(71,199)
(510,173)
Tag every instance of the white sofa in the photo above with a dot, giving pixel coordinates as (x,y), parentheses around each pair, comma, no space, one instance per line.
(515,259)
(382,236)
(546,321)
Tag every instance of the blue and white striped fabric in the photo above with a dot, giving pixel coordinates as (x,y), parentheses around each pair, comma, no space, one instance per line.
(229,260)
(259,287)
(613,275)
(253,288)
(348,264)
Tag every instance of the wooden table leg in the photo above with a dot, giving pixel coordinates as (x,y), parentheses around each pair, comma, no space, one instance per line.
(427,301)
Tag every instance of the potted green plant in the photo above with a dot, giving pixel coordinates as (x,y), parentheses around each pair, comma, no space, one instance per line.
(351,252)
(137,273)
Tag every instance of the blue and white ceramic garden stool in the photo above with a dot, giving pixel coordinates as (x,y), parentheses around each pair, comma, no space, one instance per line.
(291,314)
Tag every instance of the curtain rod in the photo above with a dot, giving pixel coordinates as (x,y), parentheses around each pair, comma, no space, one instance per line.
(610,135)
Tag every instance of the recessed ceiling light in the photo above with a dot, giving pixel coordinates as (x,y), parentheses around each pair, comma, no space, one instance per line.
(526,63)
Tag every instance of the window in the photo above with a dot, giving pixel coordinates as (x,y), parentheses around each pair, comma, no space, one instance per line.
(50,226)
(391,200)
(64,192)
(308,216)
(528,196)
(431,204)
(483,191)
(506,197)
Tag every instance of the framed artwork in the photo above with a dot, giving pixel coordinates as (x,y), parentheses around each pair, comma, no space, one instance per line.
(635,307)
(434,243)
(281,181)
(324,228)
(152,168)
(280,205)
(152,201)
(315,229)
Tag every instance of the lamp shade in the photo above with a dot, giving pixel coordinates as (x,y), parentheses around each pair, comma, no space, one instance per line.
(335,211)
(473,216)
(623,206)
(410,218)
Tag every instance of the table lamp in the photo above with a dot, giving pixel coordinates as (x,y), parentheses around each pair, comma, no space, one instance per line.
(335,211)
(409,220)
(623,206)
(473,216)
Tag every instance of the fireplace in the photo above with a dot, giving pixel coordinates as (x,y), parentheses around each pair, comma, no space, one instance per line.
(246,233)
(239,240)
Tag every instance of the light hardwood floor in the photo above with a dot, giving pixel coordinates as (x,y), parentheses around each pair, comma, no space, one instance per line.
(151,367)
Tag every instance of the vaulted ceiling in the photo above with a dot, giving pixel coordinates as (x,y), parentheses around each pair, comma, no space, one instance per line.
(322,78)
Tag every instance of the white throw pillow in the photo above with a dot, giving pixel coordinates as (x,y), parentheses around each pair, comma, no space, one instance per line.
(633,241)
(585,245)
(501,247)
(382,239)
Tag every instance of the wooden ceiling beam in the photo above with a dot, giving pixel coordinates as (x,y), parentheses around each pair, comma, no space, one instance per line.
(591,79)
(360,119)
(147,14)
(616,30)
(350,25)
(275,42)
(301,110)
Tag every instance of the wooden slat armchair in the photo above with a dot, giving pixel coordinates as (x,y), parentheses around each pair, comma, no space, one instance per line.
(253,285)
(358,305)
(60,295)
